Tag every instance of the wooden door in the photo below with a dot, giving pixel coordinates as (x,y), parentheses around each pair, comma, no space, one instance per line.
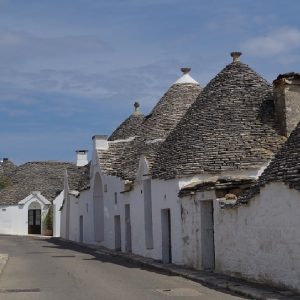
(128,242)
(81,229)
(166,236)
(34,221)
(118,233)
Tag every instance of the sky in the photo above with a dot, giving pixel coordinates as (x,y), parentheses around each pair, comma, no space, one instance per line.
(70,69)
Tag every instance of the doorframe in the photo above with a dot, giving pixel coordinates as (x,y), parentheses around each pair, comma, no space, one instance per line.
(39,229)
(81,229)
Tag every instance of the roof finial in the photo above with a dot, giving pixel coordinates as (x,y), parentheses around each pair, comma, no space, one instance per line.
(136,107)
(235,56)
(185,70)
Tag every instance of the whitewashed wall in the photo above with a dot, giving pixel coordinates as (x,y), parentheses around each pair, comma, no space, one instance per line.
(63,221)
(113,185)
(111,209)
(110,186)
(261,241)
(74,219)
(14,218)
(165,196)
(57,203)
(85,210)
(191,227)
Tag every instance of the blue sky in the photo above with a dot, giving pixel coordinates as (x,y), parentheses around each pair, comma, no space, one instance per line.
(70,69)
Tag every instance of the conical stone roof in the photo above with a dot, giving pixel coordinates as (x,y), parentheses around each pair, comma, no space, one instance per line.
(231,126)
(122,158)
(46,177)
(171,107)
(7,168)
(284,167)
(130,127)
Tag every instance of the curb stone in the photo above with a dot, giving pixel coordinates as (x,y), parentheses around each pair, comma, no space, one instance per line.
(3,261)
(216,280)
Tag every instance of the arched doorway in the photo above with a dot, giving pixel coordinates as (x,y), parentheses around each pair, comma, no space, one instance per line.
(98,209)
(34,218)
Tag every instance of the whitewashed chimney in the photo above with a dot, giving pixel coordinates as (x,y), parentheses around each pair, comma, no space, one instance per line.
(100,142)
(286,90)
(81,158)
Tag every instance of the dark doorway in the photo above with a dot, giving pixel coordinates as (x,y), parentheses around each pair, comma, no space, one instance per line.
(166,236)
(34,221)
(127,228)
(81,229)
(118,233)
(207,235)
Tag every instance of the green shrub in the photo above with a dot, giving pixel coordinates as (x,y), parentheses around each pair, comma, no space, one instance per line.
(48,220)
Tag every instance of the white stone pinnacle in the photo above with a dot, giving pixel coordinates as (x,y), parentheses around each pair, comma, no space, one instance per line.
(186,78)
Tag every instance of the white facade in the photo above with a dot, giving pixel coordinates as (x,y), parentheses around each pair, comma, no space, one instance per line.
(14,218)
(123,213)
(57,204)
(261,241)
(85,211)
(194,229)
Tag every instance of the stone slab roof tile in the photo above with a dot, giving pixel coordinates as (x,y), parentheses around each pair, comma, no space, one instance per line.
(122,158)
(284,167)
(46,177)
(231,126)
(130,127)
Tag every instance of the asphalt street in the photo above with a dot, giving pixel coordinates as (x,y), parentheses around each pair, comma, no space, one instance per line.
(47,268)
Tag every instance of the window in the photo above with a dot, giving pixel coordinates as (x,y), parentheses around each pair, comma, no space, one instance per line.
(116,198)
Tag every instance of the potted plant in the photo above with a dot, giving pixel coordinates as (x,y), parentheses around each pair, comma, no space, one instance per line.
(48,222)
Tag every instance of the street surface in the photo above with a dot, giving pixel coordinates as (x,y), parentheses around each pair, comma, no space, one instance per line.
(43,268)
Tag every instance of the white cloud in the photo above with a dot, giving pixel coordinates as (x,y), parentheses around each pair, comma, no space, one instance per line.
(21,47)
(282,41)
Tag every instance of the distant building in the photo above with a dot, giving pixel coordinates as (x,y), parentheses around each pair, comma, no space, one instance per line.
(28,193)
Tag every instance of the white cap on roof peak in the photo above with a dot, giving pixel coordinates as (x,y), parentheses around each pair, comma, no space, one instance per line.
(186,78)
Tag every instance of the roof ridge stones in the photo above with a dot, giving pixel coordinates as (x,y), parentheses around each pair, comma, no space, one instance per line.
(231,126)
